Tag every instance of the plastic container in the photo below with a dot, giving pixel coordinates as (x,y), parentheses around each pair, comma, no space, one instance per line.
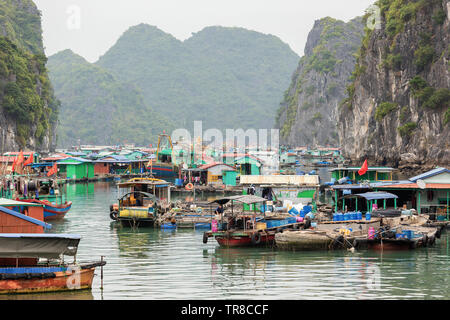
(202,226)
(307,209)
(314,224)
(371,233)
(303,213)
(214,225)
(368,216)
(310,215)
(179,182)
(409,234)
(168,226)
(261,226)
(346,217)
(359,215)
(300,219)
(293,212)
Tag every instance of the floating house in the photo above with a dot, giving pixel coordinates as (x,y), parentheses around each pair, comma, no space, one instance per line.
(213,174)
(373,174)
(428,192)
(292,189)
(288,158)
(76,168)
(248,165)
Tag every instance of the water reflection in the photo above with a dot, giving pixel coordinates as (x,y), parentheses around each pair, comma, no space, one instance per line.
(175,264)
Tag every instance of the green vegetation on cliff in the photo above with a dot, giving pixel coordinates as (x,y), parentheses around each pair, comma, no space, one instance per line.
(97,108)
(27,103)
(227,77)
(21,23)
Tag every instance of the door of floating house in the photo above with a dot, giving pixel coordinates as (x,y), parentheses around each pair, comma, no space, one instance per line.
(229,177)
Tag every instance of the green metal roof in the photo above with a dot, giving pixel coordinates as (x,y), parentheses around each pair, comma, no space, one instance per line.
(13,203)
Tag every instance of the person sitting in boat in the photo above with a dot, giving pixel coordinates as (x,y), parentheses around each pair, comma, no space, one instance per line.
(219,210)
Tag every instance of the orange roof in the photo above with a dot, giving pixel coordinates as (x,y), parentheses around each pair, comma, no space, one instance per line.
(415,186)
(210,165)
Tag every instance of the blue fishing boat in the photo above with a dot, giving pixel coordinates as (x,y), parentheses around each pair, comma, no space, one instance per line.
(163,166)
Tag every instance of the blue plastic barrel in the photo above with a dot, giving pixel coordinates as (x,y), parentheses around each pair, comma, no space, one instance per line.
(302,213)
(368,216)
(409,234)
(179,182)
(293,212)
(168,226)
(203,226)
(307,209)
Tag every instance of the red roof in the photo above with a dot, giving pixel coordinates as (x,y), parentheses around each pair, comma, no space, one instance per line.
(210,165)
(17,153)
(6,159)
(415,186)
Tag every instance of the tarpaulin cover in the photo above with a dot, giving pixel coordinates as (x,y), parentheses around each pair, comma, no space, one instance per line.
(247,199)
(30,245)
(377,195)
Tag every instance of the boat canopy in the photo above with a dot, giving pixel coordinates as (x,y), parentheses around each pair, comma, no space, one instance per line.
(373,196)
(38,245)
(247,199)
(146,194)
(144,181)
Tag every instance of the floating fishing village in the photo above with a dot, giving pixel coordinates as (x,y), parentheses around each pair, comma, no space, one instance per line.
(360,208)
(219,162)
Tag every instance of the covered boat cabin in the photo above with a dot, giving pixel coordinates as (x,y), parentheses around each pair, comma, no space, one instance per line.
(157,187)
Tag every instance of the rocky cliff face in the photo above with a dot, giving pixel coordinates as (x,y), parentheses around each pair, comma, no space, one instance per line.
(397,112)
(307,115)
(28,108)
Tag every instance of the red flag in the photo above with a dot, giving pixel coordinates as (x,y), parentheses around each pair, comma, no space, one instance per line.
(20,158)
(29,161)
(14,165)
(53,170)
(364,168)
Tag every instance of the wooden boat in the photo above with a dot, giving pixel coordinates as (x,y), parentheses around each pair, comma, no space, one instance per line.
(144,200)
(329,235)
(26,275)
(387,239)
(163,166)
(52,211)
(50,195)
(246,229)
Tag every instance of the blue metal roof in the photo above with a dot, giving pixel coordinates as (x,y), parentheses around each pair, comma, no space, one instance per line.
(429,174)
(116,158)
(62,161)
(377,195)
(26,218)
(351,186)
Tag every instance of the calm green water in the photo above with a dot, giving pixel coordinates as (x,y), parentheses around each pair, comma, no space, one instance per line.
(154,264)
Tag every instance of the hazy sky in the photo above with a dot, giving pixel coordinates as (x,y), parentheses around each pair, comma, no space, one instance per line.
(91,27)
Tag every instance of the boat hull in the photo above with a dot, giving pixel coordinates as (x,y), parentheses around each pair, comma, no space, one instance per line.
(244,241)
(160,170)
(60,282)
(52,211)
